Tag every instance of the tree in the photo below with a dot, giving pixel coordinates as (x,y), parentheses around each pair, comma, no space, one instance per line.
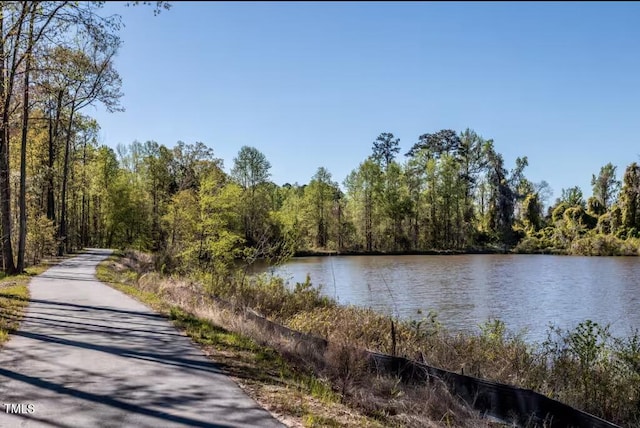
(629,199)
(219,229)
(572,196)
(501,205)
(157,160)
(396,206)
(415,170)
(22,237)
(189,162)
(531,213)
(544,192)
(55,58)
(473,158)
(364,186)
(385,147)
(90,77)
(290,215)
(435,145)
(250,170)
(13,16)
(605,185)
(319,198)
(451,192)
(595,207)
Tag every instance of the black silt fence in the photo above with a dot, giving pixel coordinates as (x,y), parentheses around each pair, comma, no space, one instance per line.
(505,402)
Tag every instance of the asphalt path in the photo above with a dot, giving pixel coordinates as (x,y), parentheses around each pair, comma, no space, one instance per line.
(87,355)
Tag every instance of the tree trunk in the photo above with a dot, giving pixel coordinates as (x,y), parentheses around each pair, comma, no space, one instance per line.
(53,137)
(22,238)
(84,218)
(5,189)
(62,235)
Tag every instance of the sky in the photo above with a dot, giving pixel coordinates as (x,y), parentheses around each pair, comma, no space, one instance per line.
(312,84)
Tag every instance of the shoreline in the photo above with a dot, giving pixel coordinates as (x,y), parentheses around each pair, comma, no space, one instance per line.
(327,253)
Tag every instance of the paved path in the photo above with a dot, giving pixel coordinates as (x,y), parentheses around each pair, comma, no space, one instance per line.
(87,355)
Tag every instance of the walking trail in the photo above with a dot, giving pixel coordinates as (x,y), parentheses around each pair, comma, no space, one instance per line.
(87,355)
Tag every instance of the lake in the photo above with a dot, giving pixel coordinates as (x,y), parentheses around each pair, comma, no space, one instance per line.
(525,291)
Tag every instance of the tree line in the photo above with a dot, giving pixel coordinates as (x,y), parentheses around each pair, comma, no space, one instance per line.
(450,191)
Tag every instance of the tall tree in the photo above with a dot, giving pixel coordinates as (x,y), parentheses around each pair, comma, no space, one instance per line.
(250,170)
(90,77)
(157,167)
(472,155)
(630,197)
(364,186)
(320,196)
(445,141)
(415,169)
(385,148)
(22,237)
(501,205)
(605,185)
(12,19)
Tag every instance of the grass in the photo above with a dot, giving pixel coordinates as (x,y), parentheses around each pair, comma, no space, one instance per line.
(14,298)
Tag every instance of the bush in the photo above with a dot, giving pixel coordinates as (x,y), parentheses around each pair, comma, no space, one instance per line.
(604,245)
(592,371)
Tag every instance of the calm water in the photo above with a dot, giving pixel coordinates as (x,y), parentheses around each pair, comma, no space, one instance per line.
(525,291)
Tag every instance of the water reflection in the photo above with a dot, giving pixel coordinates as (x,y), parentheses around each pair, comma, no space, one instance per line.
(526,291)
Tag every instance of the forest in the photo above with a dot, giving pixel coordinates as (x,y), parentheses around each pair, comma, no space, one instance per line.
(60,190)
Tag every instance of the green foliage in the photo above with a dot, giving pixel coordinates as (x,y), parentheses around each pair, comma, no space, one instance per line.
(531,213)
(558,211)
(572,196)
(589,369)
(605,245)
(493,332)
(41,239)
(318,202)
(364,190)
(630,197)
(605,186)
(595,207)
(250,167)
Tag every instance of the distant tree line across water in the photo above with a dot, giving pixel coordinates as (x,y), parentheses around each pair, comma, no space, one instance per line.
(451,191)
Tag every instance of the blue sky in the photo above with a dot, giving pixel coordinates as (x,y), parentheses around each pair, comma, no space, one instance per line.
(313,84)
